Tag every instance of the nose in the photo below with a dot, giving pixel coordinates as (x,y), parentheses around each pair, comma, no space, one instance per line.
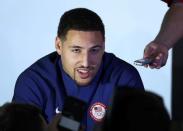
(85,59)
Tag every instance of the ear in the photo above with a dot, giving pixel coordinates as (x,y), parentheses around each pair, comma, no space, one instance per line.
(58,45)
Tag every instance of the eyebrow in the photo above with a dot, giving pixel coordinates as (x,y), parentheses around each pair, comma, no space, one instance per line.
(74,46)
(79,47)
(97,46)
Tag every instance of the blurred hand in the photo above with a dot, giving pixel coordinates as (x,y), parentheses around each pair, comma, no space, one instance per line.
(157,52)
(53,125)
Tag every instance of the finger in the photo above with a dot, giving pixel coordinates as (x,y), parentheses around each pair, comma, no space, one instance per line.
(156,63)
(148,52)
(146,66)
(152,67)
(159,61)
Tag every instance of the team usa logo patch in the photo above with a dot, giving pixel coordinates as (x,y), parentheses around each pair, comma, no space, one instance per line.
(97,111)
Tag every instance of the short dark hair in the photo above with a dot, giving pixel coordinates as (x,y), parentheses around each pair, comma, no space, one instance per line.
(20,117)
(80,19)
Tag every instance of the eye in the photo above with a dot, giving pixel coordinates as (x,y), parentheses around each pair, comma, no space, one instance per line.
(95,50)
(76,50)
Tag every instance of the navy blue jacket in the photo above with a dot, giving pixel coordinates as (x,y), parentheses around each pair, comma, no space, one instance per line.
(45,85)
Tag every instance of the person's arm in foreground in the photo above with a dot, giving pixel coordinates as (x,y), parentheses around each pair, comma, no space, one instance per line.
(170,32)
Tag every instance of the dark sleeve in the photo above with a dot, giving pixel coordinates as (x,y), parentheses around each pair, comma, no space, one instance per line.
(169,2)
(27,90)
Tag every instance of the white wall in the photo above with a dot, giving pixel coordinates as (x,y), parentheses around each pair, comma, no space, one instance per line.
(28,30)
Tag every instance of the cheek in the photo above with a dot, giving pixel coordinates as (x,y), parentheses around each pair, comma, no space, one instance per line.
(68,59)
(69,62)
(68,66)
(96,59)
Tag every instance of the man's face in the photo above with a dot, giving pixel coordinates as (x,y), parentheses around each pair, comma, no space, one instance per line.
(81,54)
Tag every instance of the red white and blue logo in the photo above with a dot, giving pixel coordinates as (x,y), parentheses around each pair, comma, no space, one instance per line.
(97,111)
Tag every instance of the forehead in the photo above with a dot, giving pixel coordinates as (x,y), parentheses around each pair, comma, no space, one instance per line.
(75,36)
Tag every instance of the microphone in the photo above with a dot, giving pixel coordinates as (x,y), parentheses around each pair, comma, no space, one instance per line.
(72,114)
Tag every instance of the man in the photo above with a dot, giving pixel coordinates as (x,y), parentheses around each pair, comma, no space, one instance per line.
(21,117)
(79,68)
(171,31)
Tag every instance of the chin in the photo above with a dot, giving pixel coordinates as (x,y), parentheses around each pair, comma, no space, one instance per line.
(83,83)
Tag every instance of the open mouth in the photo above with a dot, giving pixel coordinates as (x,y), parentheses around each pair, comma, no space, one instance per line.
(84,73)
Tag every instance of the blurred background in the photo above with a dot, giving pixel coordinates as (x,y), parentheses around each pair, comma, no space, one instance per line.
(28,30)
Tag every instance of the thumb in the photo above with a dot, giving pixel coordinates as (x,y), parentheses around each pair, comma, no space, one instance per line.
(150,50)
